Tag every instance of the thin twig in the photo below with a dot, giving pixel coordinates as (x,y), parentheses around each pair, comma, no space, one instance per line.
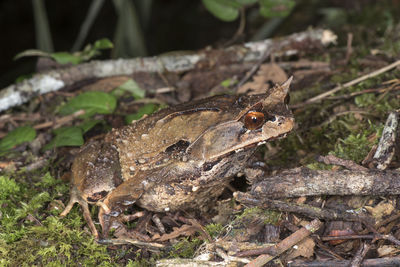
(348,84)
(360,255)
(286,243)
(59,122)
(349,49)
(349,164)
(366,91)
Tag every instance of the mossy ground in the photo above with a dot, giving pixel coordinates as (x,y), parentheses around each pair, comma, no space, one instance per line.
(32,233)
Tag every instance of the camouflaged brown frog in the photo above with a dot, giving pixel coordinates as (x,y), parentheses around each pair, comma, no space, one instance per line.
(179,158)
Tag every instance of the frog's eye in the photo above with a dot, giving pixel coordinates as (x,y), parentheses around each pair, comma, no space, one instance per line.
(253,120)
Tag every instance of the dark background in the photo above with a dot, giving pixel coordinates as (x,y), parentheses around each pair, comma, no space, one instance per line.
(174,25)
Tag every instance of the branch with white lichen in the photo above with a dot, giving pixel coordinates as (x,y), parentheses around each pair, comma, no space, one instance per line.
(53,80)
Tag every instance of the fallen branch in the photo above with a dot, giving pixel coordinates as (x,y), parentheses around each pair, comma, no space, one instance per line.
(305,210)
(306,182)
(54,80)
(389,261)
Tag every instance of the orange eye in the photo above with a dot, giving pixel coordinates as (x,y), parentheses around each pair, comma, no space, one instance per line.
(253,120)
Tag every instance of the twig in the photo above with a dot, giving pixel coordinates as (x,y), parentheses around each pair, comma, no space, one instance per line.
(286,244)
(128,241)
(360,255)
(349,49)
(386,147)
(346,237)
(375,236)
(327,249)
(348,84)
(59,122)
(229,259)
(379,262)
(349,164)
(305,210)
(366,91)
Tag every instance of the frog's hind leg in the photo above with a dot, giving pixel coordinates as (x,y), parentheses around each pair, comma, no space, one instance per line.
(76,198)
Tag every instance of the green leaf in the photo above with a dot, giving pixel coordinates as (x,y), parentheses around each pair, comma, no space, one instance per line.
(226,10)
(89,124)
(128,35)
(92,102)
(146,109)
(103,44)
(16,137)
(42,28)
(276,8)
(65,58)
(66,136)
(246,2)
(132,87)
(22,77)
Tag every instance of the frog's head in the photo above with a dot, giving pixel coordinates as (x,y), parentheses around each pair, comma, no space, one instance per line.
(256,119)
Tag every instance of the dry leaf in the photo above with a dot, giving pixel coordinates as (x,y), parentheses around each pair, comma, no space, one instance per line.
(185,229)
(384,208)
(106,84)
(305,249)
(260,83)
(387,250)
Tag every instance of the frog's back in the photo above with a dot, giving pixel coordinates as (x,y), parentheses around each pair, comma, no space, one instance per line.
(144,143)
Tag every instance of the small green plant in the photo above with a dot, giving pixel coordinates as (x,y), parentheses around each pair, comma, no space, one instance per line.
(146,109)
(92,102)
(132,87)
(88,53)
(228,10)
(17,137)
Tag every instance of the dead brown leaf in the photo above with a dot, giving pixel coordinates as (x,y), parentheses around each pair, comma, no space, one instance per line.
(304,249)
(186,230)
(387,250)
(267,73)
(384,208)
(106,84)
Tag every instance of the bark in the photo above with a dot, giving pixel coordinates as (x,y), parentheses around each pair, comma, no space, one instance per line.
(305,182)
(54,80)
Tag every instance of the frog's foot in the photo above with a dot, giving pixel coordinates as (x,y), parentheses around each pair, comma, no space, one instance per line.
(76,198)
(109,219)
(104,218)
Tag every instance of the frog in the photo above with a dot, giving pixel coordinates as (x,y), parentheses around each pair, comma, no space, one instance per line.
(179,158)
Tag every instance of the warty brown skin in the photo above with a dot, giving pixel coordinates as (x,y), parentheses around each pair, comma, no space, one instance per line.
(181,157)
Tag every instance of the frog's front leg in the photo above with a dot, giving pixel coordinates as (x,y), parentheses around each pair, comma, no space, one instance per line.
(75,197)
(96,172)
(117,201)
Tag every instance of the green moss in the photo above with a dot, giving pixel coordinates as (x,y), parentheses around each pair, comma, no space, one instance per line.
(8,188)
(185,248)
(214,229)
(30,234)
(267,216)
